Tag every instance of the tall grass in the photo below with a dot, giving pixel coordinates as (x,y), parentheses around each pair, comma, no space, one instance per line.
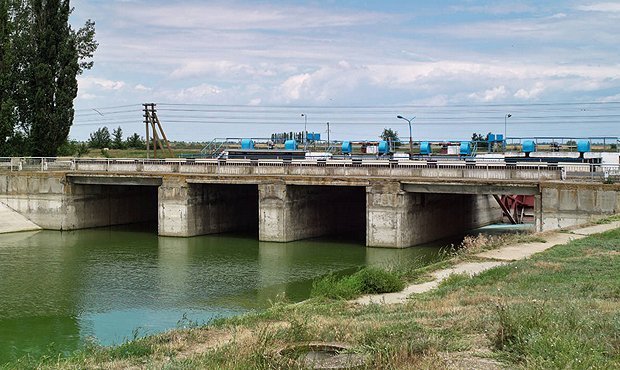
(557,337)
(369,280)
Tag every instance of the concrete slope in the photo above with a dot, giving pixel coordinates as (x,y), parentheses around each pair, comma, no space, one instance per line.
(11,221)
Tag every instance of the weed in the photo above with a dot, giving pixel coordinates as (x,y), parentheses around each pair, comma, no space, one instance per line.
(134,349)
(454,280)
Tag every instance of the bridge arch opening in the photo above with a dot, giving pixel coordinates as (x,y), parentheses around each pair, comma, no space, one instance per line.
(295,212)
(223,208)
(98,205)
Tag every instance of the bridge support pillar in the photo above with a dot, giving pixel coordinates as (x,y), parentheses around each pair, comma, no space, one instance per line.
(176,209)
(399,219)
(389,220)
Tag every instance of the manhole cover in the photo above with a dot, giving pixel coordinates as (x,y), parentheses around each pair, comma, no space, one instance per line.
(322,356)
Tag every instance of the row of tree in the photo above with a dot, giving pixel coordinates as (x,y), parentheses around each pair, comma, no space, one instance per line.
(102,139)
(41,56)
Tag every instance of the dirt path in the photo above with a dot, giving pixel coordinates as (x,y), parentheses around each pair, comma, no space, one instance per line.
(494,258)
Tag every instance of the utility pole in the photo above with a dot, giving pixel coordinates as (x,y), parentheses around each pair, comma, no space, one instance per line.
(151,119)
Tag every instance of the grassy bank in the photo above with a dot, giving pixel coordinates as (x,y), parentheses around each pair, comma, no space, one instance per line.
(559,309)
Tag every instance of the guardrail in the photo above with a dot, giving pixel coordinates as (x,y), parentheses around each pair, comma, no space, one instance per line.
(483,169)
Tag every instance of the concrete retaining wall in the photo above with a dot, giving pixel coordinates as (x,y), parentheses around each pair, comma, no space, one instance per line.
(570,204)
(53,203)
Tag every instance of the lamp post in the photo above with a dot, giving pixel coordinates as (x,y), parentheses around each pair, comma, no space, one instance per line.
(327,135)
(305,116)
(410,135)
(505,131)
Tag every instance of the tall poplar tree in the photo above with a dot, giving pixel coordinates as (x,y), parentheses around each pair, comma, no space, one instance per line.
(55,68)
(7,105)
(48,55)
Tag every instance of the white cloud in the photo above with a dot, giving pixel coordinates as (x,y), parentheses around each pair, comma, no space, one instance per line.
(99,83)
(293,87)
(532,93)
(140,87)
(222,68)
(86,96)
(192,94)
(243,17)
(600,7)
(490,95)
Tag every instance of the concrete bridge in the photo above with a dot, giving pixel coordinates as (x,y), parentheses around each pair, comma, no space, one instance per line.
(393,203)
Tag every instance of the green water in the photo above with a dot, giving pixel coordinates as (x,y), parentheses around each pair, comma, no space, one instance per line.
(61,289)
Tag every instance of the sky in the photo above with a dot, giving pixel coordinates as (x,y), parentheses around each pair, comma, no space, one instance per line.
(250,68)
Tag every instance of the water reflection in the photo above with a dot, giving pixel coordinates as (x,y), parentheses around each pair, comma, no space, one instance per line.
(59,288)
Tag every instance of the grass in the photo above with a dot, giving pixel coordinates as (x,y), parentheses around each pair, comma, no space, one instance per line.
(368,280)
(559,309)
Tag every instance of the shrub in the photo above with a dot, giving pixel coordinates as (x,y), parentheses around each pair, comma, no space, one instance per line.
(369,280)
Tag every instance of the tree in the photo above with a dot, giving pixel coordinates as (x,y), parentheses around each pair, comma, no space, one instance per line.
(135,142)
(390,135)
(117,142)
(100,139)
(46,55)
(7,74)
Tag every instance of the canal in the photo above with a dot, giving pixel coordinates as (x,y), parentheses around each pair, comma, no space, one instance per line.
(60,290)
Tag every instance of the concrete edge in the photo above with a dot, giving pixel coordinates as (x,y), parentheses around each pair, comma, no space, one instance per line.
(17,223)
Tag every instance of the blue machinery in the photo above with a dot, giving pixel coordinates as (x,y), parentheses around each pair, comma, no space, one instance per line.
(249,148)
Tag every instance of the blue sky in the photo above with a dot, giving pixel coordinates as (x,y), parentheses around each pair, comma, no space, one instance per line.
(249,68)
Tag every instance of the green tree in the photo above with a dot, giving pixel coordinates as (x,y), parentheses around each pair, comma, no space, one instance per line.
(7,75)
(100,139)
(135,142)
(46,55)
(391,136)
(55,69)
(117,141)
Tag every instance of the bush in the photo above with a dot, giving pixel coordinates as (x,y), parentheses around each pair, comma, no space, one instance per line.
(369,280)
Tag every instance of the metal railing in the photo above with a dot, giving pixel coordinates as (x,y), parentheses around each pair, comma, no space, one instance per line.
(609,173)
(483,169)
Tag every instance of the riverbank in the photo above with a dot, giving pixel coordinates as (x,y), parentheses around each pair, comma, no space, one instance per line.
(558,309)
(475,262)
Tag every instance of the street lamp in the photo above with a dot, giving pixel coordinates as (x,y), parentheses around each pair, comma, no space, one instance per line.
(410,135)
(305,116)
(327,135)
(505,131)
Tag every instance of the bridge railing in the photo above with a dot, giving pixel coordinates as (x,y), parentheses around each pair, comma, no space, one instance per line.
(327,167)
